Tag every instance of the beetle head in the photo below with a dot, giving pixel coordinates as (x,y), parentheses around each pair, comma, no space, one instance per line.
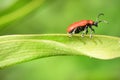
(95,24)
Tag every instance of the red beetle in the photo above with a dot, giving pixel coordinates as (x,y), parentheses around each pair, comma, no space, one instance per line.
(83,25)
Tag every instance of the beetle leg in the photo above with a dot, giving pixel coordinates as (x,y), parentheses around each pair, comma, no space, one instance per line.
(91,31)
(90,34)
(85,31)
(74,31)
(82,35)
(70,34)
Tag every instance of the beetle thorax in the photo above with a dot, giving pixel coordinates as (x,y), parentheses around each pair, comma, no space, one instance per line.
(91,22)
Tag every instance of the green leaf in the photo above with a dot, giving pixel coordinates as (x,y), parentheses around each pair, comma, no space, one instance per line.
(12,14)
(20,48)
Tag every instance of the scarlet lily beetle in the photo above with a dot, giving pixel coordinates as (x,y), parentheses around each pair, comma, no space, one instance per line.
(83,25)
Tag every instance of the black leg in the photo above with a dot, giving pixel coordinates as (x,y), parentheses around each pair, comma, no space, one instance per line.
(85,31)
(73,32)
(70,34)
(91,31)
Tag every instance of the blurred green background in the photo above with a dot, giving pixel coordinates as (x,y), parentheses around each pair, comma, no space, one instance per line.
(53,16)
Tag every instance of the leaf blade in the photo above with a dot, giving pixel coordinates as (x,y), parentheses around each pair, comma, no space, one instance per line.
(20,48)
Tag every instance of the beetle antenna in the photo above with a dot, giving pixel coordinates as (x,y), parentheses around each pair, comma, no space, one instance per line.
(99,16)
(102,21)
